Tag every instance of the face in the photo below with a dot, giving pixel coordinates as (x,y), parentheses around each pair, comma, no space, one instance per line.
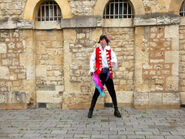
(103,42)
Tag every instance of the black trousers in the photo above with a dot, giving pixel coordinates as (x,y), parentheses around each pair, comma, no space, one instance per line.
(110,87)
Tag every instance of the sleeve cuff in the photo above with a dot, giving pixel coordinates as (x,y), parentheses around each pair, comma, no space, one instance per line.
(92,70)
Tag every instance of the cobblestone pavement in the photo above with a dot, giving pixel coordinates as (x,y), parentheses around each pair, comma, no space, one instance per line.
(44,123)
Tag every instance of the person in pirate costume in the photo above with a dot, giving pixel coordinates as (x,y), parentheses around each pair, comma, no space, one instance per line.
(104,59)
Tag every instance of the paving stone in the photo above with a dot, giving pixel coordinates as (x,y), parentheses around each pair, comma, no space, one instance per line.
(135,137)
(61,124)
(154,137)
(174,137)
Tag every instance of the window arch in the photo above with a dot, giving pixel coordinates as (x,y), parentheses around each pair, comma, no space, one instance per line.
(118,9)
(182,9)
(49,11)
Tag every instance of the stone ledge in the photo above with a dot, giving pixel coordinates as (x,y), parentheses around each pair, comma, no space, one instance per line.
(92,21)
(13,106)
(15,23)
(156,19)
(82,21)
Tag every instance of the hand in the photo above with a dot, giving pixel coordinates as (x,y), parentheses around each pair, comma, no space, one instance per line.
(91,73)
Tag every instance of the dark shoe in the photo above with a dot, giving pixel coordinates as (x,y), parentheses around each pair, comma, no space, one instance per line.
(117,113)
(90,113)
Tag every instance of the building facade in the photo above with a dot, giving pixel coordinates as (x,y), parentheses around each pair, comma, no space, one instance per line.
(45,47)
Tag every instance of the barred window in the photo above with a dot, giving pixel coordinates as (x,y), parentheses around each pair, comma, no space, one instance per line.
(49,11)
(118,9)
(182,10)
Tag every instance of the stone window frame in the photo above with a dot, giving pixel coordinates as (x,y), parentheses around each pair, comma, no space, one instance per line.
(138,9)
(112,9)
(182,13)
(31,8)
(100,5)
(182,9)
(49,11)
(47,24)
(118,22)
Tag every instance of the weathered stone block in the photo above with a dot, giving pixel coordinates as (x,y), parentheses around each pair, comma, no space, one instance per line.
(182,98)
(4,72)
(50,87)
(48,97)
(69,34)
(41,70)
(18,97)
(172,83)
(30,72)
(47,25)
(117,22)
(141,98)
(171,56)
(22,76)
(155,98)
(163,20)
(81,21)
(3,48)
(25,24)
(3,97)
(16,83)
(144,22)
(171,31)
(171,98)
(14,106)
(6,62)
(53,106)
(125,97)
(13,76)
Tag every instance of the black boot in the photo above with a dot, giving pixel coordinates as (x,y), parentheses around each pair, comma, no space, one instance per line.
(90,113)
(117,113)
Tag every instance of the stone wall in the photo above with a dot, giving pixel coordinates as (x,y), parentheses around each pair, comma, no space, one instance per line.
(157,66)
(79,44)
(79,7)
(159,57)
(82,7)
(16,76)
(15,9)
(122,43)
(156,71)
(49,66)
(12,9)
(152,6)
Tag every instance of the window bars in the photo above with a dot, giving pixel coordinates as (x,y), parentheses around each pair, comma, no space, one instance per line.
(49,11)
(182,9)
(118,9)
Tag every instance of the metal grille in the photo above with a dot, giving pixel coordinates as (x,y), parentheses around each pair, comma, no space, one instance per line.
(182,10)
(118,9)
(49,11)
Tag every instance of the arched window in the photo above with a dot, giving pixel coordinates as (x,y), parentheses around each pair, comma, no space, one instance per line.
(118,9)
(49,11)
(182,10)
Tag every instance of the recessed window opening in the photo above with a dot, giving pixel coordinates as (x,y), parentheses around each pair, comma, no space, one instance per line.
(118,9)
(49,11)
